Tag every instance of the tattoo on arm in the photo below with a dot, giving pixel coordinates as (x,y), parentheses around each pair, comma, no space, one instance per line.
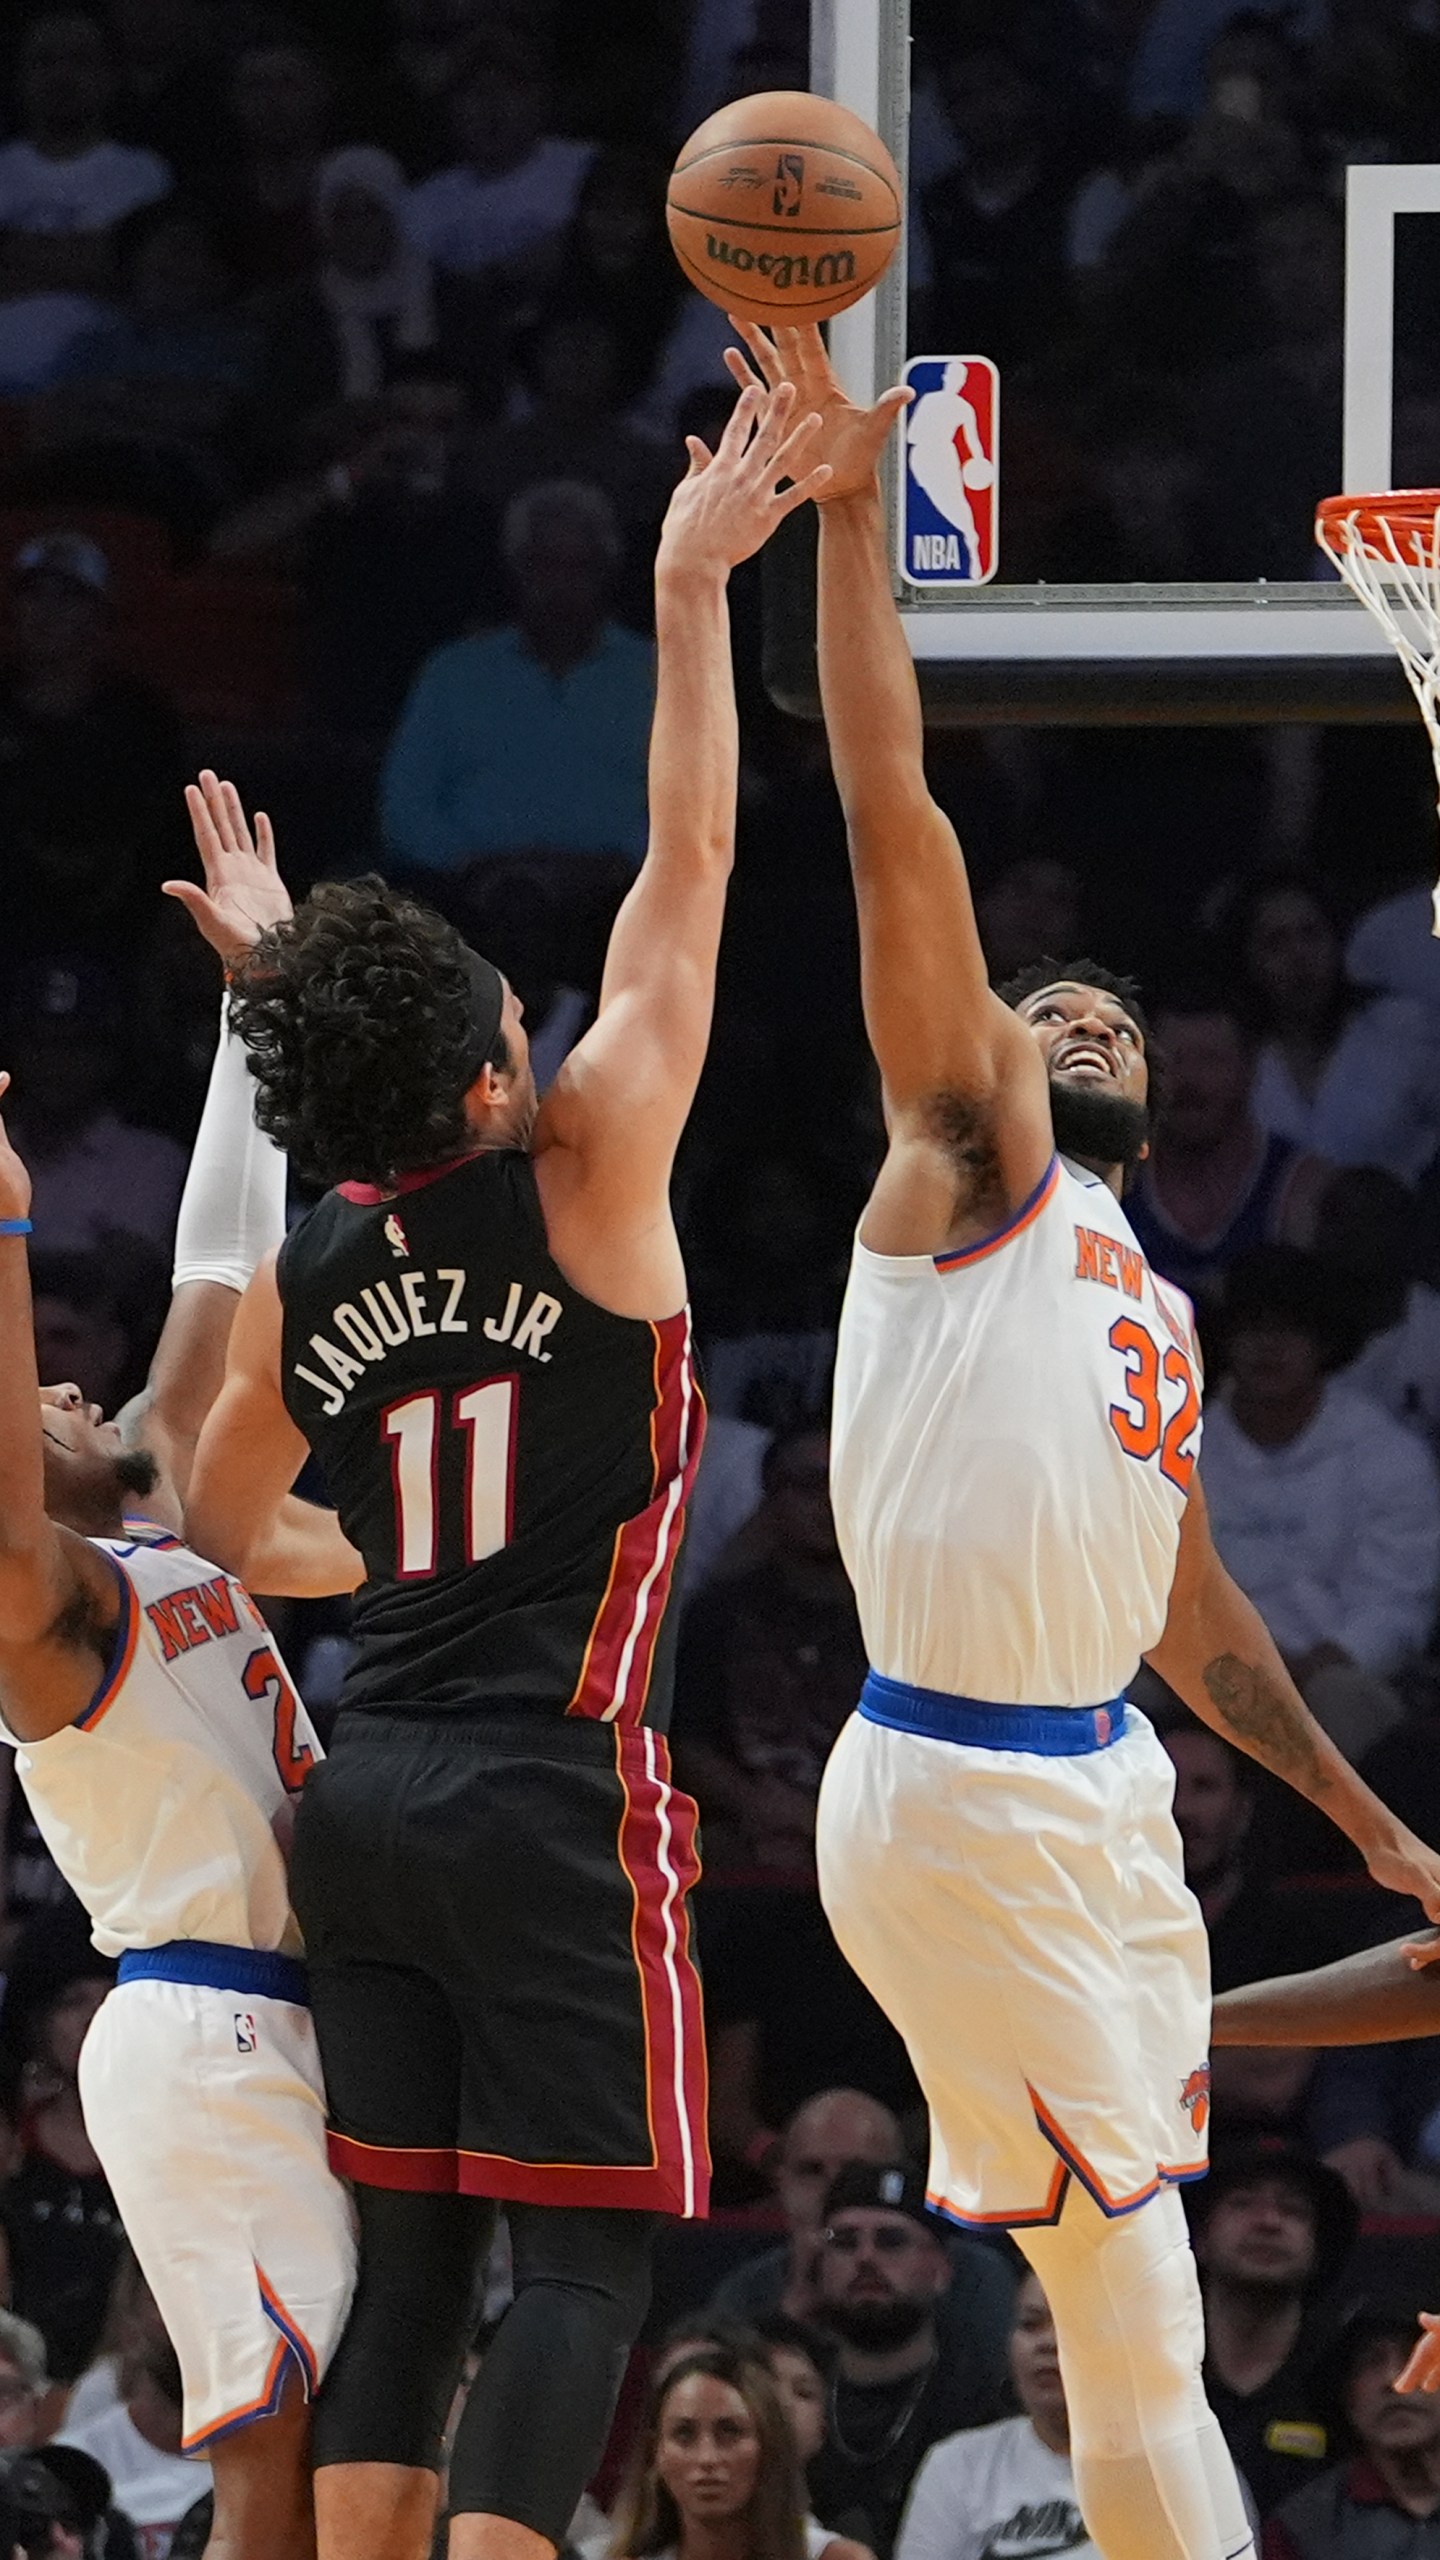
(1259,1713)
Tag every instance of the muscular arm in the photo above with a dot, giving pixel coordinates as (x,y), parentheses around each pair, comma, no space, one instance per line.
(611,1122)
(59,1597)
(1217,1654)
(1375,1997)
(241,1509)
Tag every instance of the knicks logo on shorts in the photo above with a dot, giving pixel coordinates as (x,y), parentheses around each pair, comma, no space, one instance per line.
(1195,2098)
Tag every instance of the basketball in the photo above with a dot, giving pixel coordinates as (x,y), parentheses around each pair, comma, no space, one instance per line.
(784,207)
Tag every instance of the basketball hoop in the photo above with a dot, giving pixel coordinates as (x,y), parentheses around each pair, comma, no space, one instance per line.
(1387,550)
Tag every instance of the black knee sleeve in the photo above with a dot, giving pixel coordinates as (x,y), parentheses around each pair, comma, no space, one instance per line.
(535,2424)
(387,2395)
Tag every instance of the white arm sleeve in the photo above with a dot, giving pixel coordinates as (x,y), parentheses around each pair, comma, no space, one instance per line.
(233,1209)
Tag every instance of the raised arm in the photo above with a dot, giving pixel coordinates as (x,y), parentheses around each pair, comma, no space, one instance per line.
(241,1508)
(233,1209)
(966,1097)
(617,1109)
(1375,1997)
(59,1597)
(1217,1654)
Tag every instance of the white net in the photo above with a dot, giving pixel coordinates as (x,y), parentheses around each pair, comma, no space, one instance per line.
(1389,556)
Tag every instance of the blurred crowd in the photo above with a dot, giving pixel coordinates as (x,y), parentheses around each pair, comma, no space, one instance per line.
(344,373)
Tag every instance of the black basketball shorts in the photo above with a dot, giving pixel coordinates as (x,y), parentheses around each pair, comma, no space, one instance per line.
(500,1961)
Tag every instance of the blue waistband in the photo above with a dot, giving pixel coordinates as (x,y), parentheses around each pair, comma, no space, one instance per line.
(252,1971)
(1054,1733)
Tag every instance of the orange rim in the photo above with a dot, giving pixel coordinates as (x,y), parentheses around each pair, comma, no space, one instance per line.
(1387,522)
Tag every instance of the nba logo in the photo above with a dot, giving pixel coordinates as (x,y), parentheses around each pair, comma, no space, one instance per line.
(246,2038)
(949,511)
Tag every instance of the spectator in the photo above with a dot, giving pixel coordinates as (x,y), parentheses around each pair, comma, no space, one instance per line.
(279,106)
(64,184)
(1214,1184)
(770,1665)
(769,1237)
(98,1317)
(101,2532)
(338,333)
(1325,1511)
(142,411)
(802,2360)
(38,2516)
(64,2229)
(1272,2229)
(138,2441)
(91,760)
(94,1175)
(1008,2487)
(1366,1236)
(996,223)
(1387,2495)
(825,2135)
(531,738)
(191,2538)
(566,425)
(395,518)
(729,1487)
(515,184)
(1029,908)
(24,2383)
(614,263)
(1351,1078)
(899,2384)
(716,2463)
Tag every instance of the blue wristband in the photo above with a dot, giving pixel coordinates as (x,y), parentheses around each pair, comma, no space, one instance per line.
(15,1227)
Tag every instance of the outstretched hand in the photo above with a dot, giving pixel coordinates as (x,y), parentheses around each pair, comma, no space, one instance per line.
(1403,1864)
(14,1175)
(730,501)
(243,892)
(851,439)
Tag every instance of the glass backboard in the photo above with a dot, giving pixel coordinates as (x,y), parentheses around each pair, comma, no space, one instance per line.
(1211,324)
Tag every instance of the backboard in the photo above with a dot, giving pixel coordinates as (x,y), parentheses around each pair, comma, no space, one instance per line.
(1155,490)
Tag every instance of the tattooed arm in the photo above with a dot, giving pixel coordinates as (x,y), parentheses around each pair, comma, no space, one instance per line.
(1217,1655)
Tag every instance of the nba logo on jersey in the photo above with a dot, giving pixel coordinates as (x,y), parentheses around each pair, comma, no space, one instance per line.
(949,499)
(396,1238)
(247,2039)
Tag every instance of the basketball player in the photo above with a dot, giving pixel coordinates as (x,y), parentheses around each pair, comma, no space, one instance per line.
(481,1332)
(161,1746)
(1016,1421)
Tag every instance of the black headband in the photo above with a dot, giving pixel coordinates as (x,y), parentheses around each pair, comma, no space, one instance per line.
(487,1004)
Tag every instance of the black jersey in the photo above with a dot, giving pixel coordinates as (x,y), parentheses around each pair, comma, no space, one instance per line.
(511,1461)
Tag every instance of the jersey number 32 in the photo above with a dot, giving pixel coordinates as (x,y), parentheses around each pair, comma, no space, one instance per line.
(1140,1423)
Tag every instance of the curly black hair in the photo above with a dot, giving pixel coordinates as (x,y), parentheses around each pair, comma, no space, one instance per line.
(356,1019)
(1075,973)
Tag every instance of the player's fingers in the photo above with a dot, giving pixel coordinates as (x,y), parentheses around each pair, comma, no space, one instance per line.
(772,425)
(202,824)
(700,457)
(1422,2372)
(761,348)
(265,840)
(196,902)
(220,818)
(814,485)
(235,812)
(790,455)
(890,404)
(1422,1952)
(4,1081)
(741,419)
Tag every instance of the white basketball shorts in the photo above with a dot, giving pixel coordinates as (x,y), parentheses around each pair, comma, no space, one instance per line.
(207,2109)
(1025,1923)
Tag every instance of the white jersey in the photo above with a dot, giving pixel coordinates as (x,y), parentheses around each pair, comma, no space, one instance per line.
(167,1804)
(1015,1431)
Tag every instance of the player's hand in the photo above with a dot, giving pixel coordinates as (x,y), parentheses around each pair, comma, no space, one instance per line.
(851,439)
(1403,1864)
(730,501)
(1422,2373)
(14,1176)
(243,892)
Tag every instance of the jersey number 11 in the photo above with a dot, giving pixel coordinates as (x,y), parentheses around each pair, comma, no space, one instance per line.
(487,1415)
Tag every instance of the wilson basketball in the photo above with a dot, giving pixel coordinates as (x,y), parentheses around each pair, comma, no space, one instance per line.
(784,207)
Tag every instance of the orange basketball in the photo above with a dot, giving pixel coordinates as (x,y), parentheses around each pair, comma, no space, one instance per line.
(784,207)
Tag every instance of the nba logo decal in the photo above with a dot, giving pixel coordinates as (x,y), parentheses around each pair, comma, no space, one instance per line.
(396,1238)
(246,2038)
(949,496)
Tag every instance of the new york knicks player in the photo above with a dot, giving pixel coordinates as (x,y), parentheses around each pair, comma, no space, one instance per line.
(1017,1415)
(161,1746)
(481,1331)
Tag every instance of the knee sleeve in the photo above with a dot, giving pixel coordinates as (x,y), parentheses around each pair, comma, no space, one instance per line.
(1126,2305)
(388,2393)
(536,2421)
